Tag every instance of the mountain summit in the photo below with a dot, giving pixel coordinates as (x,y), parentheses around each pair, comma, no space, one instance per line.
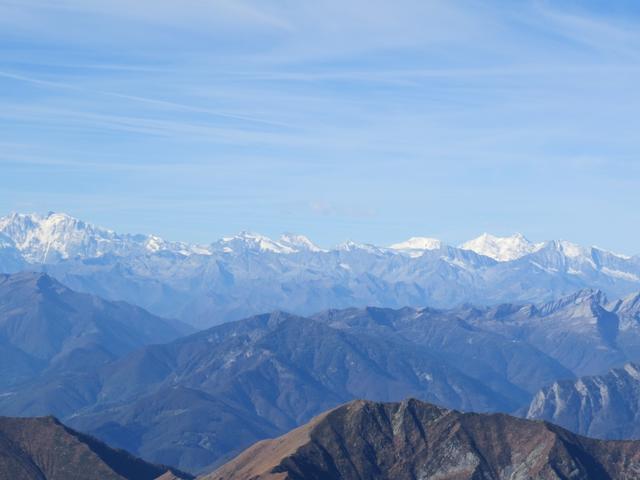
(502,249)
(57,236)
(416,246)
(410,440)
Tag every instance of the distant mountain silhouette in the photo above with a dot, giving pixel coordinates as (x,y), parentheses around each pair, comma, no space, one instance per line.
(46,327)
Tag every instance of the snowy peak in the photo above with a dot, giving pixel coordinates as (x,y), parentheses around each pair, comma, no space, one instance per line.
(572,250)
(154,244)
(254,242)
(58,236)
(54,236)
(249,241)
(351,246)
(416,246)
(502,249)
(299,243)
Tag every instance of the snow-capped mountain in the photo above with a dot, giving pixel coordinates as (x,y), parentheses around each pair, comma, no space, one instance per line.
(56,236)
(248,273)
(299,243)
(250,242)
(502,249)
(416,246)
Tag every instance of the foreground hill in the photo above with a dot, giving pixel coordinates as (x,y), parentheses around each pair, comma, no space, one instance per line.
(46,327)
(414,440)
(44,449)
(248,274)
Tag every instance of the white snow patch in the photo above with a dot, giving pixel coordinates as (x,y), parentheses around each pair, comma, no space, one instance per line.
(620,274)
(416,246)
(502,249)
(254,242)
(299,242)
(632,371)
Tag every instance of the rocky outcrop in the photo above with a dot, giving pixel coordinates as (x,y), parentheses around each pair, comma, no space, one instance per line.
(602,406)
(414,440)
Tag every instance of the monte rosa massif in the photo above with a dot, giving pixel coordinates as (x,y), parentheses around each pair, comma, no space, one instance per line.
(246,274)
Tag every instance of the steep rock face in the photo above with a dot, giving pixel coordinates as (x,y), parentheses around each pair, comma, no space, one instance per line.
(579,331)
(56,237)
(44,449)
(11,259)
(604,406)
(414,440)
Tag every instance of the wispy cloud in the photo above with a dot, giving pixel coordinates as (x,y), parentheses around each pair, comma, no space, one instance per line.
(416,115)
(164,104)
(598,34)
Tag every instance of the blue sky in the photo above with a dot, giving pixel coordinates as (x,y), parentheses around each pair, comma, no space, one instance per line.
(364,120)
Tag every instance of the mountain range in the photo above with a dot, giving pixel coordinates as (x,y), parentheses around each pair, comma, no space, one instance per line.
(196,400)
(87,333)
(247,274)
(361,439)
(414,440)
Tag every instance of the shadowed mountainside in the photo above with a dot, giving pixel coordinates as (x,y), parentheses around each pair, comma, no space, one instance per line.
(46,327)
(44,449)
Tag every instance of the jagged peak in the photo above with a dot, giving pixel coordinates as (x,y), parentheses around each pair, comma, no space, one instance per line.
(350,246)
(572,250)
(246,240)
(300,242)
(56,235)
(589,296)
(630,303)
